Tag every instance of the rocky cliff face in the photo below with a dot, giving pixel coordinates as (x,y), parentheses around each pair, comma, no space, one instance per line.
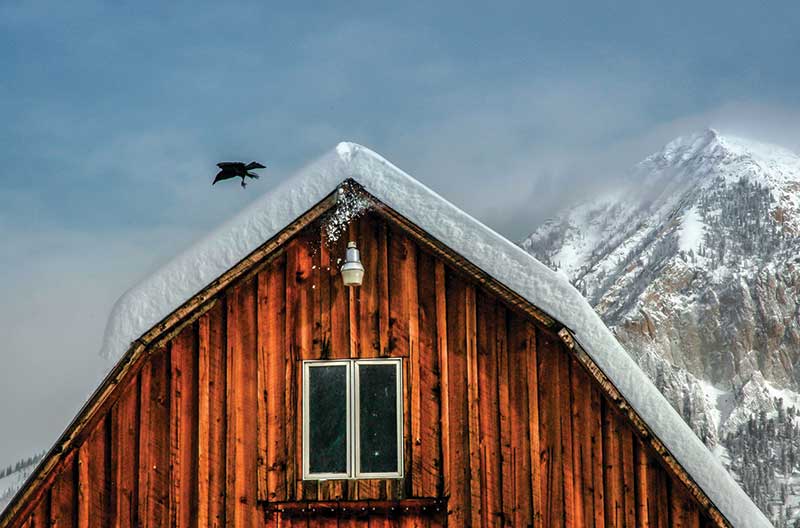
(695,265)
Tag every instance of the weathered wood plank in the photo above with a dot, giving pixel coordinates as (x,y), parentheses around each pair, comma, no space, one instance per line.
(440,281)
(154,441)
(473,408)
(430,394)
(660,485)
(654,491)
(518,351)
(264,317)
(84,489)
(231,370)
(614,504)
(396,489)
(183,429)
(706,522)
(63,496)
(594,439)
(643,508)
(581,449)
(95,478)
(506,459)
(272,367)
(203,420)
(339,304)
(565,414)
(403,341)
(368,292)
(691,518)
(125,452)
(242,488)
(383,288)
(550,430)
(628,477)
(144,462)
(595,425)
(532,387)
(492,500)
(304,275)
(214,392)
(295,274)
(40,517)
(459,504)
(593,448)
(677,509)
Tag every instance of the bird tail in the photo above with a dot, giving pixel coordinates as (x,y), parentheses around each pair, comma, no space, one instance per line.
(252,175)
(254,165)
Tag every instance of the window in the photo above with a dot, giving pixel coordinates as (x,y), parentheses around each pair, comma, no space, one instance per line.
(352,419)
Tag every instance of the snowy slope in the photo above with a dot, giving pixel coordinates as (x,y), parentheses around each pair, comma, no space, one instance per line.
(12,481)
(695,265)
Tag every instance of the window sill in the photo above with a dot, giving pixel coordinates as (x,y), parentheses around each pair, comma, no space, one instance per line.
(423,506)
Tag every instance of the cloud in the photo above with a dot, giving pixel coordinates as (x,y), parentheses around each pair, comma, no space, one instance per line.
(530,151)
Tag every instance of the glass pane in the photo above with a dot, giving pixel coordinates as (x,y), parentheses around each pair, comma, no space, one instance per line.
(377,397)
(327,409)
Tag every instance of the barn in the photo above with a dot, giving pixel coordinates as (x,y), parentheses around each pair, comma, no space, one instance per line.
(456,382)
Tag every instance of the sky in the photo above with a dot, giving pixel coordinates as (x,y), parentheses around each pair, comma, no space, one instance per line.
(113,114)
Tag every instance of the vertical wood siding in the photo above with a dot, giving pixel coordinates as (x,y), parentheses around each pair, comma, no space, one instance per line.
(500,420)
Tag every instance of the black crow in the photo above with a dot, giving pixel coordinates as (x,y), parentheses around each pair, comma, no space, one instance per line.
(233,169)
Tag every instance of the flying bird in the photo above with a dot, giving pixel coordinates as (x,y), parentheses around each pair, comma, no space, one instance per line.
(234,169)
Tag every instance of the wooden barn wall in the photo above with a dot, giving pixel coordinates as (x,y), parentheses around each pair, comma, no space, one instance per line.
(499,417)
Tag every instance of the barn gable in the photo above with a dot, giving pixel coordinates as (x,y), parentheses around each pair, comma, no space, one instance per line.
(227,277)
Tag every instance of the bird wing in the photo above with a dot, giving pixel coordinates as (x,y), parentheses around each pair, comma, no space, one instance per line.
(230,164)
(223,175)
(254,165)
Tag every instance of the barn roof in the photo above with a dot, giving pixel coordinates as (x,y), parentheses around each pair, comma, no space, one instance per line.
(142,307)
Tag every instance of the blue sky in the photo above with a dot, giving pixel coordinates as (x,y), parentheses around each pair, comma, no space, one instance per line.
(113,115)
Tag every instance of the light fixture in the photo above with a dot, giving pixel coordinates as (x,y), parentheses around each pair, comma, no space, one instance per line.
(352,269)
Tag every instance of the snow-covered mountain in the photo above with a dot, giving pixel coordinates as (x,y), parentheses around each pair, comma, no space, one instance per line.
(695,264)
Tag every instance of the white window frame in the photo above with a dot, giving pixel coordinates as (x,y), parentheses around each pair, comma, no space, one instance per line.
(307,366)
(398,363)
(352,412)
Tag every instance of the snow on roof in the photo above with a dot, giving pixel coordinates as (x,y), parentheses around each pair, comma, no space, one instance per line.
(149,302)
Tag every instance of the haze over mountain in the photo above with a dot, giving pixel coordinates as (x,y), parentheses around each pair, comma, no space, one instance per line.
(695,264)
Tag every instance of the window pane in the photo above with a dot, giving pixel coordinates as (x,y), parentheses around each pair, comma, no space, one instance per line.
(377,397)
(327,409)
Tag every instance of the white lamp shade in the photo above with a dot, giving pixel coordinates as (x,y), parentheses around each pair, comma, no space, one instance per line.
(353,276)
(352,269)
